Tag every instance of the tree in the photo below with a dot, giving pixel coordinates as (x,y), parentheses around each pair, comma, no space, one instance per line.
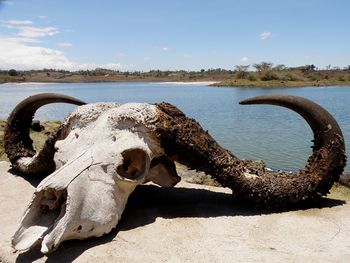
(263,66)
(12,72)
(241,71)
(311,67)
(279,67)
(306,68)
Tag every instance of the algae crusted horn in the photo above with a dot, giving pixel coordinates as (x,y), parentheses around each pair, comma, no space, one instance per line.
(324,166)
(184,138)
(19,145)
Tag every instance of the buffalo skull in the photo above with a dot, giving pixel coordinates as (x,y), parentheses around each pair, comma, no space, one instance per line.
(101,152)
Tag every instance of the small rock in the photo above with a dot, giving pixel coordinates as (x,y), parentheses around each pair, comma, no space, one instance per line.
(345,179)
(36,126)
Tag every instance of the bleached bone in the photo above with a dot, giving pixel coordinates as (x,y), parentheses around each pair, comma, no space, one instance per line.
(105,155)
(101,152)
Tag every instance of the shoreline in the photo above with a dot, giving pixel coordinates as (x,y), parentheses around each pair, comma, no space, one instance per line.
(208,83)
(205,82)
(213,83)
(279,84)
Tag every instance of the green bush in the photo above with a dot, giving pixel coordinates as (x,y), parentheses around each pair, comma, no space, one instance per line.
(269,75)
(241,75)
(12,72)
(342,78)
(312,78)
(291,77)
(251,77)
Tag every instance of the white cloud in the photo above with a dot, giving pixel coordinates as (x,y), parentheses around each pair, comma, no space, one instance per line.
(24,30)
(42,17)
(24,39)
(34,32)
(244,60)
(187,56)
(265,35)
(64,44)
(17,54)
(307,56)
(147,58)
(165,49)
(21,50)
(12,23)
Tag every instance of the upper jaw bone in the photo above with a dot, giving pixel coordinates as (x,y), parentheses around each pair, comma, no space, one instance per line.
(73,203)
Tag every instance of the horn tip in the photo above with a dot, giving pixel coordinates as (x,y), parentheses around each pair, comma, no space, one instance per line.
(247,101)
(267,99)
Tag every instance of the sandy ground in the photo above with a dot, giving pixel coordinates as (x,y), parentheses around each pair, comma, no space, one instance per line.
(191,223)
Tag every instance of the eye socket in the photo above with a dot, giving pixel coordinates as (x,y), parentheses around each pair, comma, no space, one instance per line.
(134,164)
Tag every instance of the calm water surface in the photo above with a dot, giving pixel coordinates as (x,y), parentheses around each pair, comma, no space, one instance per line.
(277,135)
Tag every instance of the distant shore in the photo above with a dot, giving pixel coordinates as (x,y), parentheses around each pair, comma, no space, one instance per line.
(265,76)
(234,83)
(208,83)
(58,77)
(278,84)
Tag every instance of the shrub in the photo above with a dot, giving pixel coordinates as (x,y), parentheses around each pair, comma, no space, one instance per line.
(312,78)
(251,77)
(12,72)
(291,77)
(269,75)
(341,78)
(241,71)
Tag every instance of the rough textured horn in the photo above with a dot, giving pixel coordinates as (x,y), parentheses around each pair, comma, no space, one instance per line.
(17,142)
(328,159)
(185,141)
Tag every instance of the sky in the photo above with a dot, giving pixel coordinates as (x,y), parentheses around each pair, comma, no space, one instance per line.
(131,35)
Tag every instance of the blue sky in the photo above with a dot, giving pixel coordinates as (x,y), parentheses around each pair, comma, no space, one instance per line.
(190,35)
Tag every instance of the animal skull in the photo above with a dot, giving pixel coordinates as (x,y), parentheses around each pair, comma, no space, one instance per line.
(106,154)
(95,160)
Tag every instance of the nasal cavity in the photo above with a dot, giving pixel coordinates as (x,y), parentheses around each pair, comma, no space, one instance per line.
(134,164)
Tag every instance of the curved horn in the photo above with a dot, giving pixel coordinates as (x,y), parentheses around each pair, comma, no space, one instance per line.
(184,140)
(17,142)
(328,159)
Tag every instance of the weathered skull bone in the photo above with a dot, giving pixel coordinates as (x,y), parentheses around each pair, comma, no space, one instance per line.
(106,154)
(103,151)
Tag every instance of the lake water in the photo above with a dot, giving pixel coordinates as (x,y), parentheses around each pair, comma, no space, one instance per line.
(277,135)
